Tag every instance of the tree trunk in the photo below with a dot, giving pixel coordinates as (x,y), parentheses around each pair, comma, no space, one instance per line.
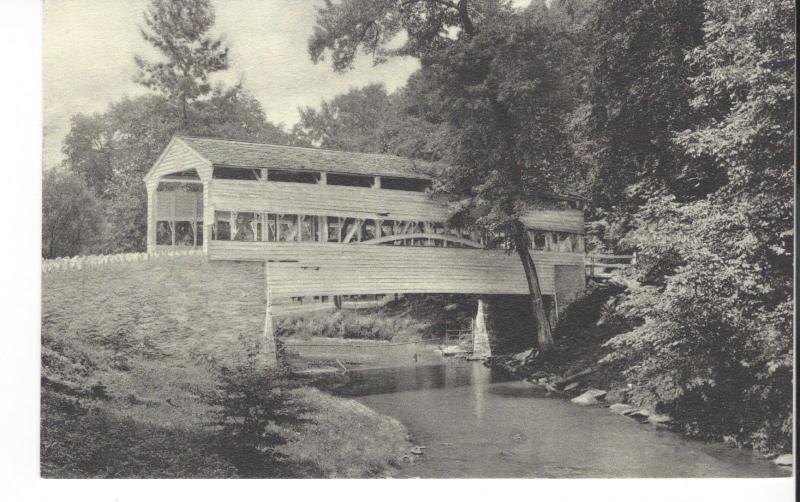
(543,332)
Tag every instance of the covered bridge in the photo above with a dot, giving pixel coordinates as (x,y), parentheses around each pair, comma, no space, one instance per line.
(331,223)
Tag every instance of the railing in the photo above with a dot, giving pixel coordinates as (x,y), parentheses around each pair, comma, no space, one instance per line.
(453,336)
(605,266)
(90,261)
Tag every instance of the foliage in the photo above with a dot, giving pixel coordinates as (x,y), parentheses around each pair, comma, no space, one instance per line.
(368,120)
(71,217)
(353,325)
(254,412)
(638,98)
(179,30)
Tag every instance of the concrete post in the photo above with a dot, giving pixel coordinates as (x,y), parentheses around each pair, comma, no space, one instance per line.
(480,333)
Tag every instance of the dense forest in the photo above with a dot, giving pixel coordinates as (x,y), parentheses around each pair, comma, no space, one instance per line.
(674,118)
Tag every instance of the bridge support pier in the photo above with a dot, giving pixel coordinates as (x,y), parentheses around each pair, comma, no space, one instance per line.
(270,350)
(480,332)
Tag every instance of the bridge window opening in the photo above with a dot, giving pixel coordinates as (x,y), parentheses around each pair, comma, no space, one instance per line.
(405,184)
(334,229)
(234,173)
(269,227)
(370,230)
(245,227)
(387,227)
(350,180)
(289,176)
(184,233)
(352,229)
(287,228)
(163,233)
(580,246)
(221,229)
(308,230)
(539,240)
(564,242)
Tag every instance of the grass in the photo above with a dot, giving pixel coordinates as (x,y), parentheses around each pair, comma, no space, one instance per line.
(131,353)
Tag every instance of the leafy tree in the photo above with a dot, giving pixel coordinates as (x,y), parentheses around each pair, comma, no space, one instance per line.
(492,74)
(179,29)
(71,217)
(638,98)
(355,121)
(713,344)
(369,120)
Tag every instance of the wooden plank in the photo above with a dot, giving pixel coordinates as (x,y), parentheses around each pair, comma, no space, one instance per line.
(337,269)
(357,202)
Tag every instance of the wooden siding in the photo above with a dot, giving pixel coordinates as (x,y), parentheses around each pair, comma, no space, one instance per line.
(178,157)
(557,220)
(179,206)
(327,200)
(298,269)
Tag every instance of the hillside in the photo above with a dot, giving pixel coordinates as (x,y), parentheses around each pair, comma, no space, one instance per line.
(132,358)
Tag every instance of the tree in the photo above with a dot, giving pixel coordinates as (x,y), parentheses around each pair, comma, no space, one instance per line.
(356,121)
(638,98)
(71,218)
(712,342)
(492,74)
(369,120)
(179,29)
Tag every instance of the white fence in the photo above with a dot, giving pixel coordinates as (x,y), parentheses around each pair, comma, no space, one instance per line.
(92,261)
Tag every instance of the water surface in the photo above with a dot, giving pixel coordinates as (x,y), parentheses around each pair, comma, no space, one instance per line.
(475,425)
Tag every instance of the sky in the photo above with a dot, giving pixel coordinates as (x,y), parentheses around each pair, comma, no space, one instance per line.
(89,45)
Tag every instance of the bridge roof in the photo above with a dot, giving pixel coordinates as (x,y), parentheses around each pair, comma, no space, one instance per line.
(243,154)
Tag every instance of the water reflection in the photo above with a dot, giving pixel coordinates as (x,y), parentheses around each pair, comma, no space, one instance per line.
(392,380)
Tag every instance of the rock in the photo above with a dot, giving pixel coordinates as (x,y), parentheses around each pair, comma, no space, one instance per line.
(658,419)
(785,460)
(590,397)
(638,414)
(573,385)
(620,409)
(521,356)
(417,450)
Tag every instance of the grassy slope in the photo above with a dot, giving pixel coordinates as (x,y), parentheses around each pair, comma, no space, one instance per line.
(129,351)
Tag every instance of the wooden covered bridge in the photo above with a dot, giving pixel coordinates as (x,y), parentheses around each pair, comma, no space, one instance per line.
(330,223)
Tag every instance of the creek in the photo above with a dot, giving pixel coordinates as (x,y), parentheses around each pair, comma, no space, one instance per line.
(476,424)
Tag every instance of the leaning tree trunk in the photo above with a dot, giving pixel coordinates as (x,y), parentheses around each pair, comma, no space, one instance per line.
(543,332)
